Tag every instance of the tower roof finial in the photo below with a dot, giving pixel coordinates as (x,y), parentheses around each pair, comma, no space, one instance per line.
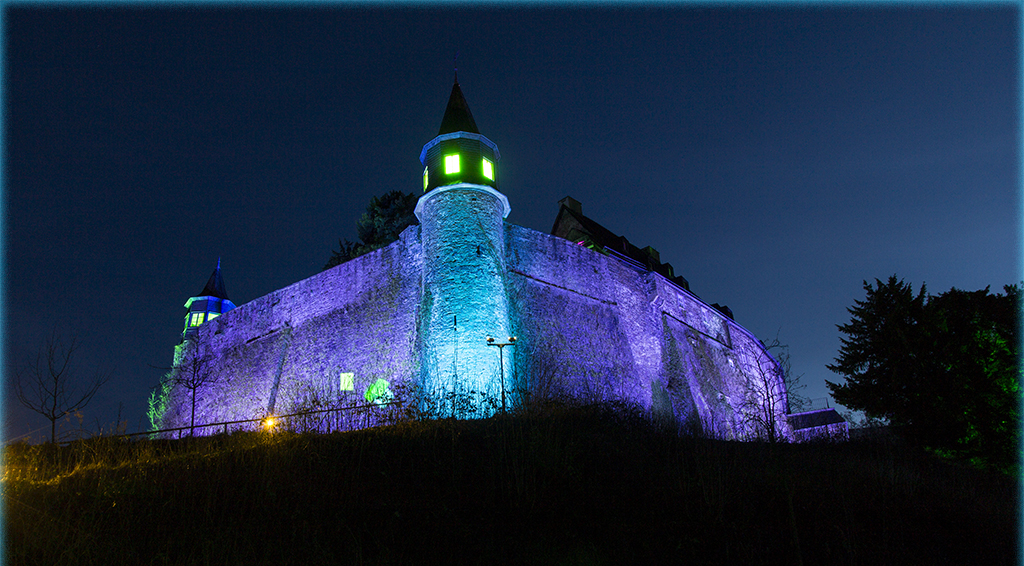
(457,117)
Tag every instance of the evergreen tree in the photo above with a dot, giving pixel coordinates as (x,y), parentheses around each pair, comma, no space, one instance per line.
(385,218)
(974,337)
(879,356)
(943,368)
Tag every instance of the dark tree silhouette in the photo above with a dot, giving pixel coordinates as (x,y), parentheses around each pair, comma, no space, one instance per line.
(880,357)
(385,218)
(943,369)
(49,386)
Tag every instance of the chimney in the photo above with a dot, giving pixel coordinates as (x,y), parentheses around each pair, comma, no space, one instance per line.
(572,204)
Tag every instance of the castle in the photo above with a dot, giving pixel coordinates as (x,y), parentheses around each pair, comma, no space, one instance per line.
(579,312)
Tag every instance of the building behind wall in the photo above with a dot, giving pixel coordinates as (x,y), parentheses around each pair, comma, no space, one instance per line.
(595,317)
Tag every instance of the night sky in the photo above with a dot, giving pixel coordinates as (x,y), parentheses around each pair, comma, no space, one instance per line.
(777,157)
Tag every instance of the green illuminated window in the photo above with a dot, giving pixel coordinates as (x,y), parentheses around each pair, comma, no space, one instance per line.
(488,169)
(211,316)
(425,179)
(451,164)
(197,319)
(347,381)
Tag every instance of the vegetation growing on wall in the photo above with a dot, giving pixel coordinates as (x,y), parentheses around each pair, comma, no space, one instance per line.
(159,400)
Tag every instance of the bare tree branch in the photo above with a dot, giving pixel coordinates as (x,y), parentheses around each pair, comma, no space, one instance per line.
(49,386)
(193,372)
(770,391)
(797,402)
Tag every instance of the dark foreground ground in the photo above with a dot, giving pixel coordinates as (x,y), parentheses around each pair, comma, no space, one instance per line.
(566,486)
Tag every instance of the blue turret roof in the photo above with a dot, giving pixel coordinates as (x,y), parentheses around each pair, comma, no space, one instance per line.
(215,286)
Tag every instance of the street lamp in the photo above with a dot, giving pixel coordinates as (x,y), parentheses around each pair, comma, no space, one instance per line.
(501,361)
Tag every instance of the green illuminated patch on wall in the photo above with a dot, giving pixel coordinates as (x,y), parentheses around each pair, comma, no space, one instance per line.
(346,381)
(488,169)
(451,164)
(426,179)
(379,392)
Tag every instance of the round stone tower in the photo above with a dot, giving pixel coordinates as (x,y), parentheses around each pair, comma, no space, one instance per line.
(464,301)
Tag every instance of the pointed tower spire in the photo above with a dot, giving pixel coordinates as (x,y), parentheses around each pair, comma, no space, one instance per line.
(215,285)
(457,117)
(210,303)
(459,154)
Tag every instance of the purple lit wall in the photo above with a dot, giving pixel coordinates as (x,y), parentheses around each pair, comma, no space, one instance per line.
(290,348)
(596,327)
(589,325)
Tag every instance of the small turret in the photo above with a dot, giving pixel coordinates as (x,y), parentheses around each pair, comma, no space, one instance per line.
(459,153)
(210,303)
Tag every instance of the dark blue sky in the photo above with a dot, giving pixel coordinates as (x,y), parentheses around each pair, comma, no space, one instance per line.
(775,156)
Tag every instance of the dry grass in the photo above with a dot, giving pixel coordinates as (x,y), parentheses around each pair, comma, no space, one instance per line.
(560,484)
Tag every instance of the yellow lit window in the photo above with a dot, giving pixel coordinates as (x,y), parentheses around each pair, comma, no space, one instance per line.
(347,381)
(451,164)
(488,169)
(212,316)
(197,318)
(425,179)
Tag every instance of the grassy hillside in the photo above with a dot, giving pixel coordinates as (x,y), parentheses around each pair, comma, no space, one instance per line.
(566,485)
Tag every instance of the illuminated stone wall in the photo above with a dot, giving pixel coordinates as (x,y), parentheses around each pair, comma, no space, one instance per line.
(589,325)
(287,350)
(464,298)
(593,326)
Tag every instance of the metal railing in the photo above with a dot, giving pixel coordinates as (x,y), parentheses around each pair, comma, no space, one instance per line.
(269,421)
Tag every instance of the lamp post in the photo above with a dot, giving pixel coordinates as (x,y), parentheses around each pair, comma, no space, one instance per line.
(501,362)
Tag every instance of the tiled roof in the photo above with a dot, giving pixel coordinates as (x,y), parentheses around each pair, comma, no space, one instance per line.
(814,419)
(572,224)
